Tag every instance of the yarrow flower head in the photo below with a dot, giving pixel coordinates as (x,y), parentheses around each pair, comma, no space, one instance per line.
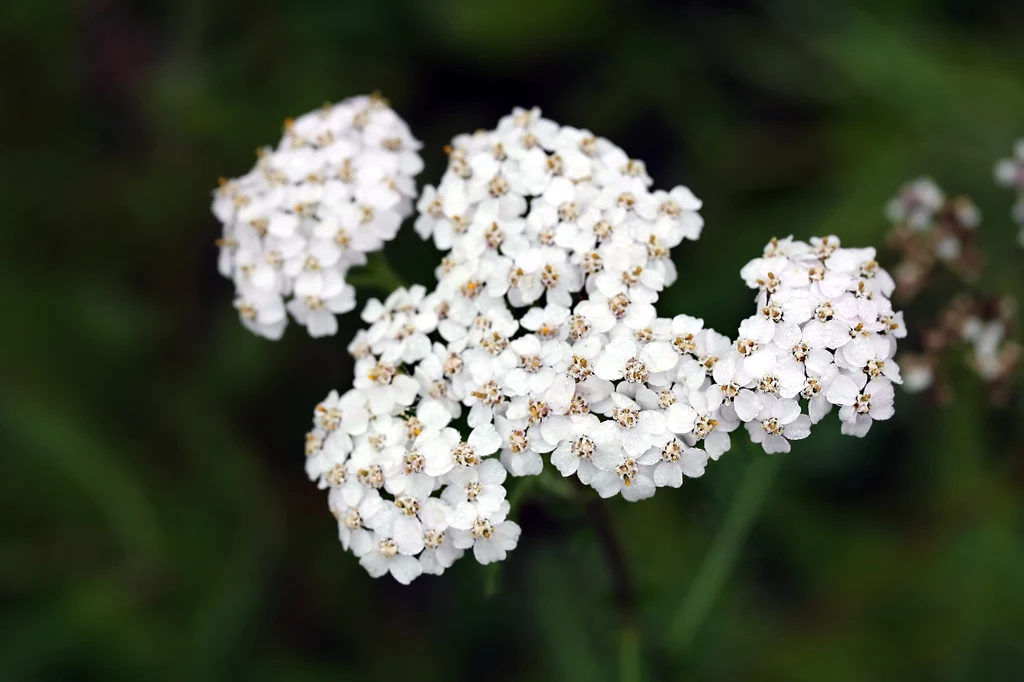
(825,334)
(541,332)
(335,188)
(542,337)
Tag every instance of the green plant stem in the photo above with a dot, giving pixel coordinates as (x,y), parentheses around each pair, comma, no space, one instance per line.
(629,655)
(623,589)
(717,564)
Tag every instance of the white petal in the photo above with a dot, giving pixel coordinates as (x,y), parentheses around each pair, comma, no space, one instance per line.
(485,440)
(659,356)
(668,474)
(842,391)
(680,418)
(405,569)
(408,535)
(747,405)
(799,428)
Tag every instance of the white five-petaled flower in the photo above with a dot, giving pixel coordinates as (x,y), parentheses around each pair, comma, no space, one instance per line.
(674,460)
(778,423)
(623,359)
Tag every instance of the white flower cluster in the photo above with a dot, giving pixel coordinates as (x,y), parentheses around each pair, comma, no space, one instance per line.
(1010,173)
(337,187)
(542,335)
(825,332)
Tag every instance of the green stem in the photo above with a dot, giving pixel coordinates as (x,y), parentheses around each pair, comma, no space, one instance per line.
(629,655)
(623,588)
(721,556)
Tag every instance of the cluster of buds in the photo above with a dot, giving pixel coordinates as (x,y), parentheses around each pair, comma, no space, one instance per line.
(541,345)
(338,186)
(1010,173)
(928,229)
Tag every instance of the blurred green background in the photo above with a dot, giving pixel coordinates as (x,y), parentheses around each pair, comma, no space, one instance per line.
(156,520)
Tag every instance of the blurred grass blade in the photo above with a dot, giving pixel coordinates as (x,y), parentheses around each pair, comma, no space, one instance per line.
(70,449)
(629,655)
(717,564)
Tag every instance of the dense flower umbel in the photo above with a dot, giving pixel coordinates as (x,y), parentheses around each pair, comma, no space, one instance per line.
(929,231)
(337,187)
(542,333)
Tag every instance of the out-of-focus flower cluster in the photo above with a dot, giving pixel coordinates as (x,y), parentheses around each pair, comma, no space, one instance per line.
(928,229)
(984,328)
(541,342)
(337,187)
(1010,173)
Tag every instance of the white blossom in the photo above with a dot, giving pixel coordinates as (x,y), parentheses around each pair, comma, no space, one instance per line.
(674,460)
(336,187)
(778,423)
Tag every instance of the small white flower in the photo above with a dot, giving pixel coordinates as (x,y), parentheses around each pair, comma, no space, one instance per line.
(490,541)
(533,430)
(447,450)
(631,428)
(380,556)
(869,355)
(873,403)
(622,359)
(440,551)
(711,425)
(353,506)
(674,460)
(383,386)
(575,452)
(778,423)
(262,313)
(475,492)
(619,472)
